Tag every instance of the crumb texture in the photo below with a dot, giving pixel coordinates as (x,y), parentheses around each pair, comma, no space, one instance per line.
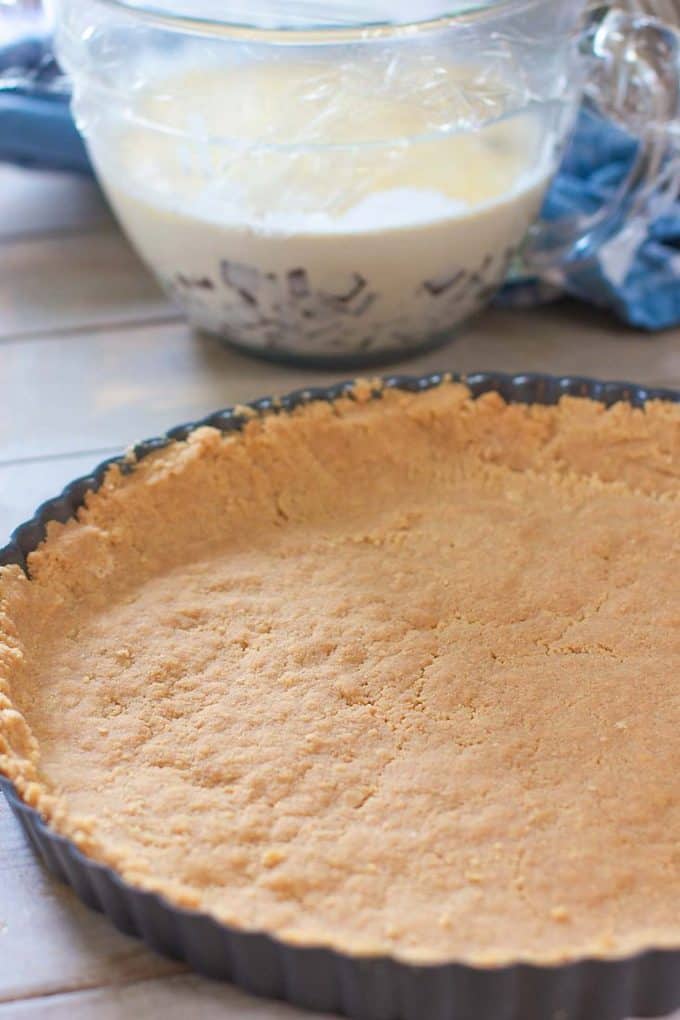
(395,675)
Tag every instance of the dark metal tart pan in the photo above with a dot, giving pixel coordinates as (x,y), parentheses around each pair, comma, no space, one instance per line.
(365,988)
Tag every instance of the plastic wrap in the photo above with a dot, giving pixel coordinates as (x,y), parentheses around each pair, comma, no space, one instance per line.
(367,187)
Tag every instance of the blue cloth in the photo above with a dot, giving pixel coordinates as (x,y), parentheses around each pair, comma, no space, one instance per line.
(643,288)
(36,127)
(638,280)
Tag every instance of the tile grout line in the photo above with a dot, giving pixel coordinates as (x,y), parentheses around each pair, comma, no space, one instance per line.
(37,459)
(65,332)
(38,996)
(35,236)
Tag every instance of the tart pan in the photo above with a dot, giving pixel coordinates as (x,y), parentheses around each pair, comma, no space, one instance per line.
(364,988)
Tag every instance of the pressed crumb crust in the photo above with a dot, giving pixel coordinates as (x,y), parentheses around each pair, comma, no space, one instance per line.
(395,675)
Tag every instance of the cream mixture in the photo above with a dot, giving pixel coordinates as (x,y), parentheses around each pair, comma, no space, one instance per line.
(298,207)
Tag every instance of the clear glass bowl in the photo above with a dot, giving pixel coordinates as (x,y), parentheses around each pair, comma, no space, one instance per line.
(319,185)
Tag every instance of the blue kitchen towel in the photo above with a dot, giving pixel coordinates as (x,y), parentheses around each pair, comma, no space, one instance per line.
(36,127)
(637,275)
